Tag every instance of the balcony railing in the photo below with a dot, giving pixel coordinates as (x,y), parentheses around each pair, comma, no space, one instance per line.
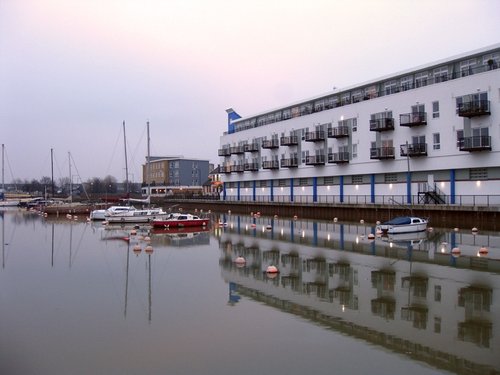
(270,164)
(382,124)
(474,108)
(237,149)
(289,162)
(338,132)
(315,160)
(224,152)
(251,147)
(413,119)
(237,168)
(251,167)
(382,153)
(291,140)
(477,143)
(315,136)
(413,149)
(270,143)
(338,157)
(225,169)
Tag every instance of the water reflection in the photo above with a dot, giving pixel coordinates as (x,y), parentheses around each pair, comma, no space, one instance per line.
(433,296)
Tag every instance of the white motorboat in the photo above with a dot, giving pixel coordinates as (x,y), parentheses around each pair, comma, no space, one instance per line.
(101,214)
(135,216)
(403,224)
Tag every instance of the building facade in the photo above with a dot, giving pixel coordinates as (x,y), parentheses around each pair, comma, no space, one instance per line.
(166,175)
(425,135)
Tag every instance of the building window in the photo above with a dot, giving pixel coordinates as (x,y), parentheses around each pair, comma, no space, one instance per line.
(435,109)
(303,182)
(436,140)
(390,177)
(460,137)
(357,179)
(441,74)
(282,182)
(263,183)
(437,293)
(478,174)
(328,180)
(406,83)
(437,324)
(354,150)
(492,61)
(421,79)
(390,87)
(467,67)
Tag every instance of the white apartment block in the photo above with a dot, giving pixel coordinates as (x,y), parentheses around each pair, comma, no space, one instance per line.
(428,135)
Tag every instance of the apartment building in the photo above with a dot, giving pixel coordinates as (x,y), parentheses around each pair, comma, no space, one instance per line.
(430,134)
(169,174)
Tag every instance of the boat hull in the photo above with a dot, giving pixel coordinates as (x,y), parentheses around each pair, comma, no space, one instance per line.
(403,225)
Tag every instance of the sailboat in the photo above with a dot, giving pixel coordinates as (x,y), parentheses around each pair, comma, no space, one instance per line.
(101,214)
(4,202)
(137,216)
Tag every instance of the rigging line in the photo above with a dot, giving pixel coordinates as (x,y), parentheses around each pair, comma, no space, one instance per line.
(114,152)
(139,142)
(78,174)
(10,169)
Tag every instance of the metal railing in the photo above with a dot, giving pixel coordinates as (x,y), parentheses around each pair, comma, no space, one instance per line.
(395,200)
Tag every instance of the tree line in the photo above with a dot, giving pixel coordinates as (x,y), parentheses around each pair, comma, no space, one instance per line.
(61,187)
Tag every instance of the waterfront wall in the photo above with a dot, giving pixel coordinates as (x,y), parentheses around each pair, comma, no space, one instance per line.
(447,216)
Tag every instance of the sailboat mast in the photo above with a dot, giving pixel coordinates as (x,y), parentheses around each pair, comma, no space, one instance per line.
(3,168)
(70,182)
(126,162)
(52,168)
(148,161)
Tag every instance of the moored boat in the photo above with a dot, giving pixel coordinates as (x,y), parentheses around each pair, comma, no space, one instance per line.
(100,214)
(135,216)
(179,220)
(403,224)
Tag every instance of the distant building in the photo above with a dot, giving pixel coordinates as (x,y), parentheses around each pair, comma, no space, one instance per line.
(174,175)
(424,135)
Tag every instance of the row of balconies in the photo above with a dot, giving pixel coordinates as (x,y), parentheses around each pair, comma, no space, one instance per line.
(477,143)
(466,109)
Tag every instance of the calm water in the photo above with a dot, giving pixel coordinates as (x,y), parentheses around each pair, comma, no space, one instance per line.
(76,298)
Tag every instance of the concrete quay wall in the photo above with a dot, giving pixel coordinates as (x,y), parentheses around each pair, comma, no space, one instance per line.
(483,218)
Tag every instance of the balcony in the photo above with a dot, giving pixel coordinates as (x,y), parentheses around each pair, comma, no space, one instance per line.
(382,124)
(338,132)
(315,136)
(413,149)
(270,164)
(252,167)
(237,168)
(237,149)
(382,153)
(291,140)
(270,143)
(251,147)
(315,160)
(225,169)
(474,108)
(224,151)
(477,143)
(413,119)
(338,157)
(289,163)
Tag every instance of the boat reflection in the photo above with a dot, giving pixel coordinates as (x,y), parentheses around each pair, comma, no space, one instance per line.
(412,295)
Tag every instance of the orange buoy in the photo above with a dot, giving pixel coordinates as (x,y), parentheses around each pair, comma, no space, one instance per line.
(240,260)
(149,249)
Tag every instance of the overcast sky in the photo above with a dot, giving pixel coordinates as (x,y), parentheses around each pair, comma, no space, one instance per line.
(71,71)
